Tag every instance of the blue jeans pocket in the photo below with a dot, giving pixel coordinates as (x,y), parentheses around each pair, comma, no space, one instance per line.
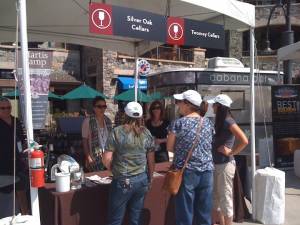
(124,185)
(145,184)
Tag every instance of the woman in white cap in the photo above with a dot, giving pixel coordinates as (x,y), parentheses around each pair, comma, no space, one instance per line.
(223,151)
(129,155)
(192,134)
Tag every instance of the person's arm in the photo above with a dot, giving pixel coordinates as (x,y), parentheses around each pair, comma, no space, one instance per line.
(242,141)
(161,140)
(151,164)
(86,148)
(171,141)
(107,159)
(110,148)
(85,143)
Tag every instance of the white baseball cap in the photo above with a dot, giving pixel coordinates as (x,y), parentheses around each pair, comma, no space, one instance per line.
(134,110)
(190,95)
(222,99)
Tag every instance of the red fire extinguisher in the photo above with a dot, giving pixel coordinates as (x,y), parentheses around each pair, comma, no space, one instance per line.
(37,170)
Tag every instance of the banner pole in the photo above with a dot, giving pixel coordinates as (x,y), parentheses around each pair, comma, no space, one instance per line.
(27,98)
(252,121)
(136,75)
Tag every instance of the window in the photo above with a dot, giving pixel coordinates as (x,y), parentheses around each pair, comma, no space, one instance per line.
(6,74)
(275,38)
(169,52)
(238,98)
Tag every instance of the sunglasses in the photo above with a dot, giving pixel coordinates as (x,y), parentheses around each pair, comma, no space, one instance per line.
(101,106)
(5,108)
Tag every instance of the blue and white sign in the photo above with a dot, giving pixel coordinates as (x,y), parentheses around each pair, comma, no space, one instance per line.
(128,83)
(144,67)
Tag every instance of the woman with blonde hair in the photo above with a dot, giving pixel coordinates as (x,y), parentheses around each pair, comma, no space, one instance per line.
(129,155)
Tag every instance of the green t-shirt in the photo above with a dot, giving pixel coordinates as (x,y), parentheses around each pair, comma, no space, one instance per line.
(129,151)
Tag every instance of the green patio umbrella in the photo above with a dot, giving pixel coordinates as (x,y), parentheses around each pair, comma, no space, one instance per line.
(11,94)
(83,92)
(156,96)
(15,93)
(159,96)
(53,96)
(128,96)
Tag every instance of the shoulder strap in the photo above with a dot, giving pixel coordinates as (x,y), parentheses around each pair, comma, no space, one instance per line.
(194,143)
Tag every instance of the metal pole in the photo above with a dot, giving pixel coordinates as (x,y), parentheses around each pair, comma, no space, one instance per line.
(288,38)
(252,120)
(136,75)
(27,98)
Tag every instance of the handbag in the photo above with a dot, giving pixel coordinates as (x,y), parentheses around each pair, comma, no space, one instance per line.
(173,177)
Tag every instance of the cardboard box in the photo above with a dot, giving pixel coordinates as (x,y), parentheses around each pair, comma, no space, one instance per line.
(287,146)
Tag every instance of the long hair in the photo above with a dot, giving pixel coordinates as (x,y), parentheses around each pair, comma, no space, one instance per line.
(153,105)
(221,114)
(134,125)
(203,108)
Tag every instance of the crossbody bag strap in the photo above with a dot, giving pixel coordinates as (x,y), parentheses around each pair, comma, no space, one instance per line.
(194,143)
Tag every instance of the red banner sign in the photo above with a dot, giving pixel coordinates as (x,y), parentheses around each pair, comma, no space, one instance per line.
(101,19)
(175,31)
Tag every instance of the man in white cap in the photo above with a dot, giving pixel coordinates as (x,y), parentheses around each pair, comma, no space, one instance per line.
(129,155)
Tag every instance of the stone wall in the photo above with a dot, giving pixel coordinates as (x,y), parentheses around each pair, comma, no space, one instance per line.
(107,84)
(91,66)
(66,64)
(113,62)
(199,57)
(7,58)
(270,63)
(262,13)
(235,43)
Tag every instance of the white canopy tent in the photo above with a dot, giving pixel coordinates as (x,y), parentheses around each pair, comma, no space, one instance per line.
(67,21)
(289,52)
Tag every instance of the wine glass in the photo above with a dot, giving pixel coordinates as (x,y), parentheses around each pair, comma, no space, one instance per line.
(175,29)
(101,17)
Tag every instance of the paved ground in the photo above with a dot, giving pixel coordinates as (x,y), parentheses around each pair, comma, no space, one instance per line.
(292,201)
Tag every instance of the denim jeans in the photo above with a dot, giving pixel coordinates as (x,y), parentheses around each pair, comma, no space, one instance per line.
(194,199)
(127,195)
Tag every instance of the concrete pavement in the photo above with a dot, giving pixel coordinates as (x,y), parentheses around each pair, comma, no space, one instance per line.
(292,201)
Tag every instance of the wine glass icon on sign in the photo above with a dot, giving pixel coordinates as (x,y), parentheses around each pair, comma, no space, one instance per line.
(175,29)
(101,17)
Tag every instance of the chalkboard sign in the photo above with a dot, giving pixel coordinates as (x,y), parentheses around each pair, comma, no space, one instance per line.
(286,123)
(40,63)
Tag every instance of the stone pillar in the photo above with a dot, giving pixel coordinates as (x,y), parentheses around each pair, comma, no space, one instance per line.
(109,61)
(199,57)
(235,44)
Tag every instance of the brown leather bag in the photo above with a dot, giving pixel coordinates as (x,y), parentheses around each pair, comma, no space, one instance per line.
(173,177)
(173,181)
